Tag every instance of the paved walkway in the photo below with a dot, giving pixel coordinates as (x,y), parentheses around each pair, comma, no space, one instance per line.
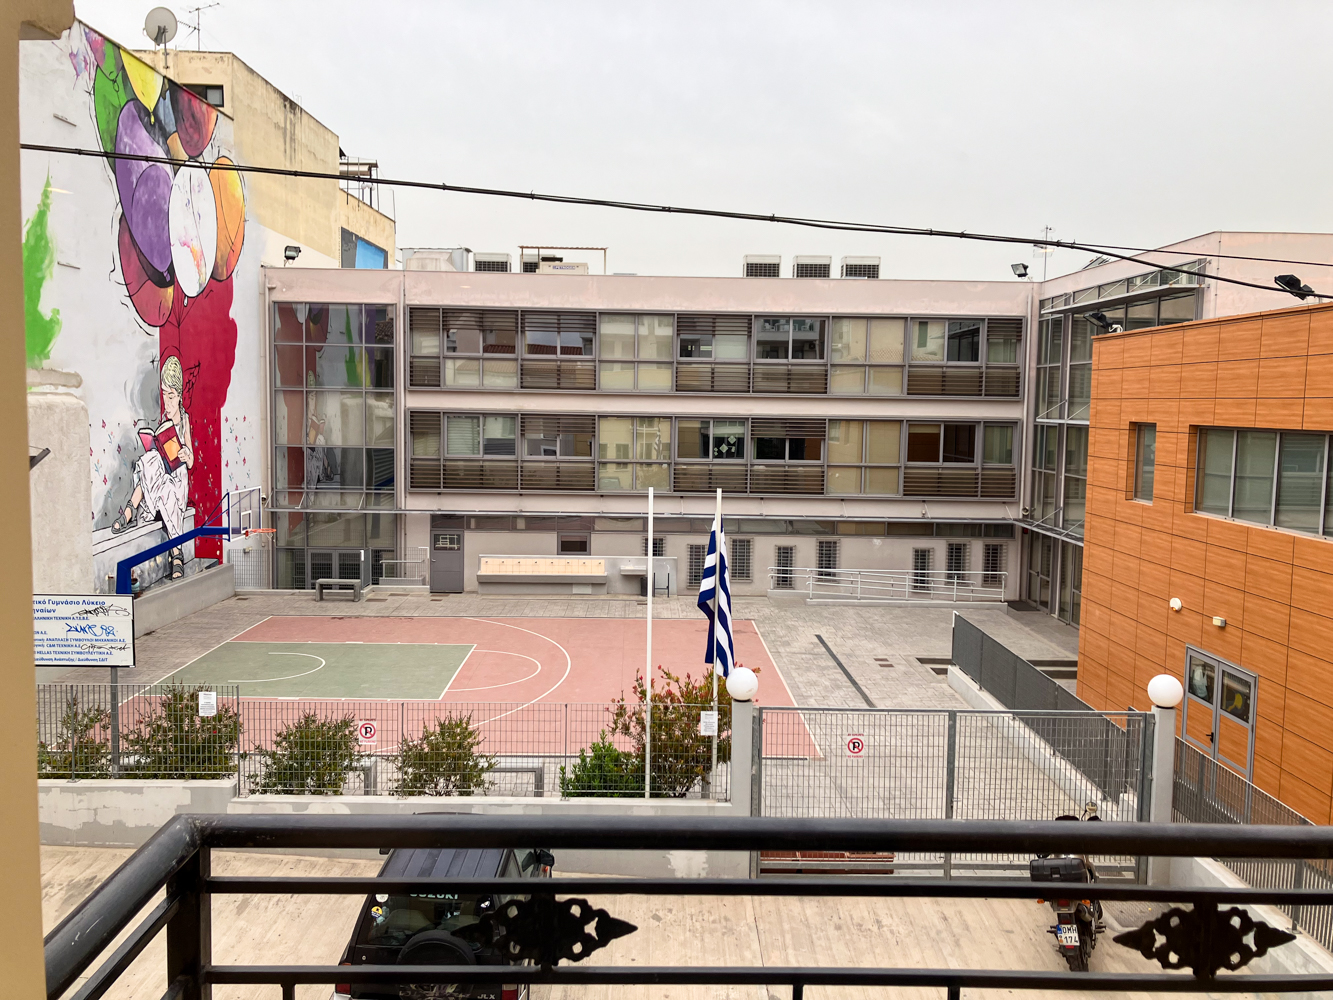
(878,645)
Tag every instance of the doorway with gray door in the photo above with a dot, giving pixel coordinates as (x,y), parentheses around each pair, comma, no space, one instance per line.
(446,555)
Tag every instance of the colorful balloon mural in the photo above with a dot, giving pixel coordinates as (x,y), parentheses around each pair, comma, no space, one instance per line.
(181,231)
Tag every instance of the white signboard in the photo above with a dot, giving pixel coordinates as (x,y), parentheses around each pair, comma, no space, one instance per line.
(367,731)
(708,723)
(72,630)
(856,745)
(208,704)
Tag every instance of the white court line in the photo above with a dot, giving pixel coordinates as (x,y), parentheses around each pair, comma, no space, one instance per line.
(459,670)
(270,680)
(218,646)
(504,652)
(774,663)
(569,666)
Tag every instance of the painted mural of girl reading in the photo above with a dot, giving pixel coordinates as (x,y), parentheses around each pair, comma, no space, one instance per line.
(161,475)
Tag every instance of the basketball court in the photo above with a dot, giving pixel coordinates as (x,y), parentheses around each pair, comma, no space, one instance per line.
(523,660)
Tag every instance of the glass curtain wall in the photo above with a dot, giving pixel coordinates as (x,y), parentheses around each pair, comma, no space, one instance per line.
(333,438)
(1061,405)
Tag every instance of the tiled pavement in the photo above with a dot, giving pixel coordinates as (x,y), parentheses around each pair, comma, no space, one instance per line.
(858,634)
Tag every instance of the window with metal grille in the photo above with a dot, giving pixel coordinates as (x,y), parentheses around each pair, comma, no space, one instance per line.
(921,560)
(659,546)
(827,556)
(992,565)
(956,558)
(786,559)
(741,555)
(696,564)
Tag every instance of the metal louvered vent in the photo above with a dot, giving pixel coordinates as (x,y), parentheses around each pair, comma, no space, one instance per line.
(1005,327)
(779,427)
(708,377)
(713,323)
(423,319)
(539,425)
(543,374)
(577,323)
(808,379)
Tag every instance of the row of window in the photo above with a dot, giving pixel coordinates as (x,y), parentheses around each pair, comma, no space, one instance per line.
(563,523)
(723,353)
(1277,478)
(758,455)
(1190,273)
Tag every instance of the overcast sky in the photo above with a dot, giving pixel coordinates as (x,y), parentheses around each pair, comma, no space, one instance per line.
(1128,123)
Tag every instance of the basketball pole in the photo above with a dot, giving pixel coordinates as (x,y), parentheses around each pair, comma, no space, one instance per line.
(717,598)
(648,667)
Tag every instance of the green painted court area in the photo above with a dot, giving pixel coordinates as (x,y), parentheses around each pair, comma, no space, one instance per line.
(328,669)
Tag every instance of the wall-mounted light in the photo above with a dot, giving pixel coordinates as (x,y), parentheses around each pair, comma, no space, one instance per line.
(291,252)
(1219,621)
(1176,604)
(1020,270)
(1291,283)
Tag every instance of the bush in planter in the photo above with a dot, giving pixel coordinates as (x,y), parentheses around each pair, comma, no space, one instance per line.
(311,756)
(173,741)
(603,770)
(78,751)
(444,761)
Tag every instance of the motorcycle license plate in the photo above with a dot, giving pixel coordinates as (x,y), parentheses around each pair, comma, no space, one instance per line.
(1067,934)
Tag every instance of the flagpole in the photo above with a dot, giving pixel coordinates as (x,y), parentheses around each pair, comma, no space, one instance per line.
(717,597)
(648,666)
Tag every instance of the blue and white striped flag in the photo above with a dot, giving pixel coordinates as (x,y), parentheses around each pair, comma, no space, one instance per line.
(715,570)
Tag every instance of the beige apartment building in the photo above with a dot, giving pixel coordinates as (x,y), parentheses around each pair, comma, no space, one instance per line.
(335,224)
(873,437)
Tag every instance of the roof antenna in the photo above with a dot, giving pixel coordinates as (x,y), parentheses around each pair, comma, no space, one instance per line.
(195,28)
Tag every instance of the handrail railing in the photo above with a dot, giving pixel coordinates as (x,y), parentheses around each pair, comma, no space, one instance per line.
(177,857)
(895,586)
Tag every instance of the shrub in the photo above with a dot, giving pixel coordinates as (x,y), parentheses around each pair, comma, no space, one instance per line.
(681,757)
(78,750)
(604,770)
(311,756)
(173,741)
(444,761)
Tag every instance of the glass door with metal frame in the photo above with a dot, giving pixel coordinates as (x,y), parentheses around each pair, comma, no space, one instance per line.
(1219,710)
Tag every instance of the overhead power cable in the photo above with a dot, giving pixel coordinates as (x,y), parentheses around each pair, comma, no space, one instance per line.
(712,213)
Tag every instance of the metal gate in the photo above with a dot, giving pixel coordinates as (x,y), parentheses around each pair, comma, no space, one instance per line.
(954,764)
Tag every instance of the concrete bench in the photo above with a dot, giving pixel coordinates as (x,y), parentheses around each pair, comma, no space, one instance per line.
(323,585)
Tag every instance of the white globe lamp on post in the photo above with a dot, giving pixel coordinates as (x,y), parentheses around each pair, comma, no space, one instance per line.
(1165,691)
(742,684)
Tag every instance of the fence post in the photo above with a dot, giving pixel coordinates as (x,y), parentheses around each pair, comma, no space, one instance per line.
(742,754)
(1297,882)
(190,931)
(1163,774)
(115,723)
(756,777)
(950,779)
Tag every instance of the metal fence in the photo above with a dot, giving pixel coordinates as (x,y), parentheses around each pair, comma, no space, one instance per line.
(1207,791)
(836,586)
(951,764)
(376,746)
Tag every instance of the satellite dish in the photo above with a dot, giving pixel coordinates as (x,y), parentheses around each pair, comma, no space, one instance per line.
(160,25)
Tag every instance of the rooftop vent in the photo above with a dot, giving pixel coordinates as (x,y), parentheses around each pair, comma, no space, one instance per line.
(811,267)
(860,267)
(429,260)
(499,262)
(762,265)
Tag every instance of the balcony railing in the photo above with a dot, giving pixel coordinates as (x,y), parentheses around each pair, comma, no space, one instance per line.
(888,586)
(543,928)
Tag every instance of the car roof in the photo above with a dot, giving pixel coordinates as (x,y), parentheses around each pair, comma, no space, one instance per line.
(444,862)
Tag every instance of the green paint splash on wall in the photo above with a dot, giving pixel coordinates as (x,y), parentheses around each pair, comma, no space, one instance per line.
(39,263)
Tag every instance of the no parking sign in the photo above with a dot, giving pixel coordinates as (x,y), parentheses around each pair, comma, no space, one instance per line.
(856,745)
(367,731)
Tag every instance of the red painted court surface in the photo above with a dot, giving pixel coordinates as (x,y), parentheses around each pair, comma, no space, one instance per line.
(526,660)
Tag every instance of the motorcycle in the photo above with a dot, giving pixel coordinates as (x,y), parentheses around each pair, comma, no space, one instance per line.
(1077,921)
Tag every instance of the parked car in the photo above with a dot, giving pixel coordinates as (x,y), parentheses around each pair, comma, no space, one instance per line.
(444,929)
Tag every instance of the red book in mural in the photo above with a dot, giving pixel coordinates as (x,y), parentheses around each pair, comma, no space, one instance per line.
(166,442)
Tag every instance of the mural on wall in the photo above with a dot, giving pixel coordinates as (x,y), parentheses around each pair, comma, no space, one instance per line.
(178,236)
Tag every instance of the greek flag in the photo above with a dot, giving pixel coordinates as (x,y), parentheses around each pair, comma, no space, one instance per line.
(715,570)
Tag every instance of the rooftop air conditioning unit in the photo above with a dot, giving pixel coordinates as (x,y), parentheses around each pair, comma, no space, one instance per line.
(428,260)
(529,262)
(811,267)
(860,267)
(499,262)
(762,265)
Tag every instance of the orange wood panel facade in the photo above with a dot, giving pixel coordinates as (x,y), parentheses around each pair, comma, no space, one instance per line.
(1274,587)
